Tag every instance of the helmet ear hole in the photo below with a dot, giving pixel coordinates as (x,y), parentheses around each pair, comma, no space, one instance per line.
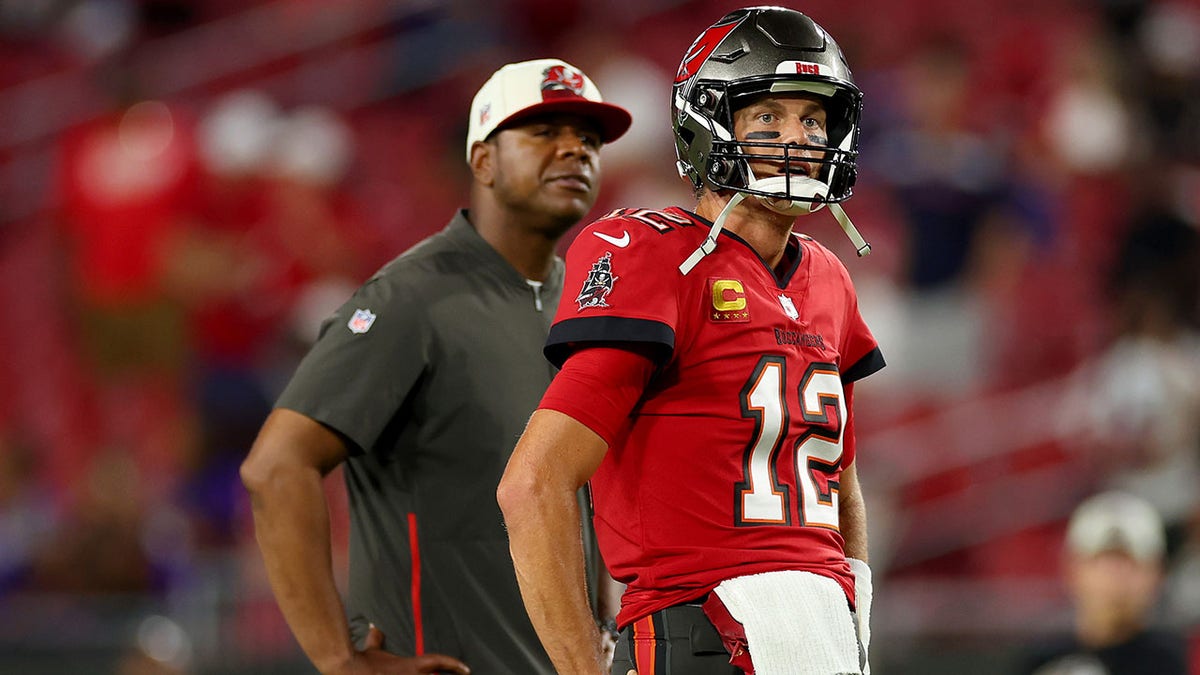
(725,171)
(716,169)
(707,100)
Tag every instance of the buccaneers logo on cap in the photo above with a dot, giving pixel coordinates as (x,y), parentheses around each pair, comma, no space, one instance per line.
(598,284)
(561,81)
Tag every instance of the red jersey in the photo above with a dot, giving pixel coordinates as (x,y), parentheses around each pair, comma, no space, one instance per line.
(729,464)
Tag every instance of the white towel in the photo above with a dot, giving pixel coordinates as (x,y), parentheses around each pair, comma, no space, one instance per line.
(797,623)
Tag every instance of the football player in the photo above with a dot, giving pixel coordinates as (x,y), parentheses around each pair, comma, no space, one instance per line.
(706,392)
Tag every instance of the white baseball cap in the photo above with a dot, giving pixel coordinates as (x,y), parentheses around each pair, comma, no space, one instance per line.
(527,88)
(1116,521)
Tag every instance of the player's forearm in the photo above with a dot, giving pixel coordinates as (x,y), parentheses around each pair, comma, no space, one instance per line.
(291,522)
(554,458)
(548,555)
(852,514)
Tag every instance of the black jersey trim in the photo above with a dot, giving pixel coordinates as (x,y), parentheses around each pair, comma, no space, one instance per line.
(871,363)
(565,335)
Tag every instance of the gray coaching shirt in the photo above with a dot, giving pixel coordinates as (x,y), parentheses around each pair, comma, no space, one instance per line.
(430,371)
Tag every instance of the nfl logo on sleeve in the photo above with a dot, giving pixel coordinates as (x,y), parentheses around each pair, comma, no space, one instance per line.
(361,321)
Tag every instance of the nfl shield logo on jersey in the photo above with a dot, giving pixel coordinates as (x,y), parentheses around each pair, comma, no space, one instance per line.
(788,307)
(361,321)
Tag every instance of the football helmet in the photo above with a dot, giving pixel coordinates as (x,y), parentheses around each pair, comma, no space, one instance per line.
(749,53)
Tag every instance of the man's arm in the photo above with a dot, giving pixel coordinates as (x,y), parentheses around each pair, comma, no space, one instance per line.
(284,474)
(852,518)
(554,457)
(852,513)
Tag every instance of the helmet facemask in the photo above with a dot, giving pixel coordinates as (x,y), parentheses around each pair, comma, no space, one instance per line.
(709,117)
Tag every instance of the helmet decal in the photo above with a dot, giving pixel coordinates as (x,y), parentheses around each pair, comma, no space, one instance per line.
(705,45)
(804,68)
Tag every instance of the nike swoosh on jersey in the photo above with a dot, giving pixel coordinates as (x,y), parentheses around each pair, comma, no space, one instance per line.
(619,242)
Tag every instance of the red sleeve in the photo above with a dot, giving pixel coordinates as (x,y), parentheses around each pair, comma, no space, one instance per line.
(598,387)
(617,288)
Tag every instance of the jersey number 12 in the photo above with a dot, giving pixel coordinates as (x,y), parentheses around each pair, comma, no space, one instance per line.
(761,498)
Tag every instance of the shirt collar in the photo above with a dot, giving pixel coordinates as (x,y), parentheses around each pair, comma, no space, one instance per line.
(462,233)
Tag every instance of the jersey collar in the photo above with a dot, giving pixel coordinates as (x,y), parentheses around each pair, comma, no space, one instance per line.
(793,255)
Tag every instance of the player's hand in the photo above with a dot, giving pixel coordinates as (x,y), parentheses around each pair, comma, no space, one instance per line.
(372,660)
(608,647)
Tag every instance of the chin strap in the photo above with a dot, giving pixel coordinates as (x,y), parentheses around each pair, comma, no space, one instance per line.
(710,242)
(860,244)
(813,193)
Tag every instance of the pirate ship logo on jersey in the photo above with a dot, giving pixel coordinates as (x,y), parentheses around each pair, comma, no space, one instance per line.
(598,284)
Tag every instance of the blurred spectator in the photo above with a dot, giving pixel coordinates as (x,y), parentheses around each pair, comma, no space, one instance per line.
(949,179)
(1113,568)
(126,179)
(947,176)
(1139,402)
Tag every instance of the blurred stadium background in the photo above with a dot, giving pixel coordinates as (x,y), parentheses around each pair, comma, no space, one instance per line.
(186,188)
